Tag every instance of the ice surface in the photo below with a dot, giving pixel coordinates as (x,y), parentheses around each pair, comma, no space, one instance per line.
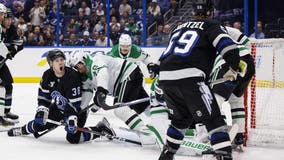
(53,145)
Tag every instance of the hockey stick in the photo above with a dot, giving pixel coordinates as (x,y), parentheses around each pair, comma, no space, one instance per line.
(37,135)
(97,133)
(123,104)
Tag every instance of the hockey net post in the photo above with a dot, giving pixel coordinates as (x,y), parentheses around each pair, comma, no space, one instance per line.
(264,98)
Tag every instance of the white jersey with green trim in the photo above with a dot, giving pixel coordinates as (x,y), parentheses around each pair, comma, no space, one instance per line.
(104,71)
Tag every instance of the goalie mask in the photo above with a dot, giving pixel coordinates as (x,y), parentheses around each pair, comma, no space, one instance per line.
(203,8)
(53,54)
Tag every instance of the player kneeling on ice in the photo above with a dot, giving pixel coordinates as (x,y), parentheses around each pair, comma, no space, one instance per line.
(108,75)
(59,100)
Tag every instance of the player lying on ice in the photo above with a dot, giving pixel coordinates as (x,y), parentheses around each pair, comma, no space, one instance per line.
(59,100)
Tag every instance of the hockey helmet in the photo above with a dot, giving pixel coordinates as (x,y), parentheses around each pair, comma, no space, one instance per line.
(125,39)
(76,57)
(203,7)
(3,8)
(53,54)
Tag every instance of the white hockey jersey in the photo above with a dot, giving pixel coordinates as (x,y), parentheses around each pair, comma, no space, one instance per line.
(104,71)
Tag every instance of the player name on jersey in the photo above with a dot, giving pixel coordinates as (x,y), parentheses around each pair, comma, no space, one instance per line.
(198,25)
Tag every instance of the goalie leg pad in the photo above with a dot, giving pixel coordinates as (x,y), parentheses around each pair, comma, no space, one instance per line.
(130,117)
(238,111)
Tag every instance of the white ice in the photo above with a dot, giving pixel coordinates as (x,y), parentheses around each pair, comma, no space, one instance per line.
(53,145)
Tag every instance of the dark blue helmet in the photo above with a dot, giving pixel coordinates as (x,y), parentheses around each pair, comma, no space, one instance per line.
(53,54)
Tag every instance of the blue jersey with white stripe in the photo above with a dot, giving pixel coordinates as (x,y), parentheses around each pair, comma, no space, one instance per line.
(193,48)
(66,91)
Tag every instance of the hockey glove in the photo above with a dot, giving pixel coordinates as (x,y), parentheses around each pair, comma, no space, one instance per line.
(71,124)
(100,96)
(153,70)
(242,68)
(41,115)
(230,75)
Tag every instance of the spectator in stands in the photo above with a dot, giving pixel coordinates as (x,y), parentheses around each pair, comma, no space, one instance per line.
(100,10)
(30,40)
(132,27)
(69,7)
(113,22)
(19,12)
(103,40)
(37,14)
(21,24)
(72,40)
(114,35)
(154,9)
(49,39)
(125,7)
(164,4)
(38,37)
(82,22)
(86,40)
(72,26)
(114,12)
(85,9)
(96,35)
(100,25)
(157,38)
(116,4)
(237,25)
(124,17)
(174,7)
(260,34)
(167,30)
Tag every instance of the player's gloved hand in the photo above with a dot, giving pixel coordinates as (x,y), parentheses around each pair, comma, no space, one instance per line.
(159,94)
(71,124)
(242,69)
(230,75)
(153,70)
(41,115)
(100,96)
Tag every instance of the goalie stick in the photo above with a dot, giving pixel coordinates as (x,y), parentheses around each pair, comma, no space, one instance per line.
(97,133)
(198,147)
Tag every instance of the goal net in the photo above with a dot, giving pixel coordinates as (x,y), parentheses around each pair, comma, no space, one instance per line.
(264,100)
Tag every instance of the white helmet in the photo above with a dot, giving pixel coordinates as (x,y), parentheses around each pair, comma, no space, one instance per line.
(125,39)
(75,57)
(3,8)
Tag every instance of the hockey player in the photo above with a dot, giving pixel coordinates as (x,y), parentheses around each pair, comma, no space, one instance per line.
(126,50)
(14,44)
(59,99)
(109,75)
(233,91)
(184,69)
(130,52)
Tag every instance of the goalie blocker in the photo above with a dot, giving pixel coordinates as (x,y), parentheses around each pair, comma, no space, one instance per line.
(236,87)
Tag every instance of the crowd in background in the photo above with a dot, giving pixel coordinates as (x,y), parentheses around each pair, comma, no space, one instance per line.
(83,22)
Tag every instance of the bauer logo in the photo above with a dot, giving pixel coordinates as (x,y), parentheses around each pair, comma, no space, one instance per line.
(43,60)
